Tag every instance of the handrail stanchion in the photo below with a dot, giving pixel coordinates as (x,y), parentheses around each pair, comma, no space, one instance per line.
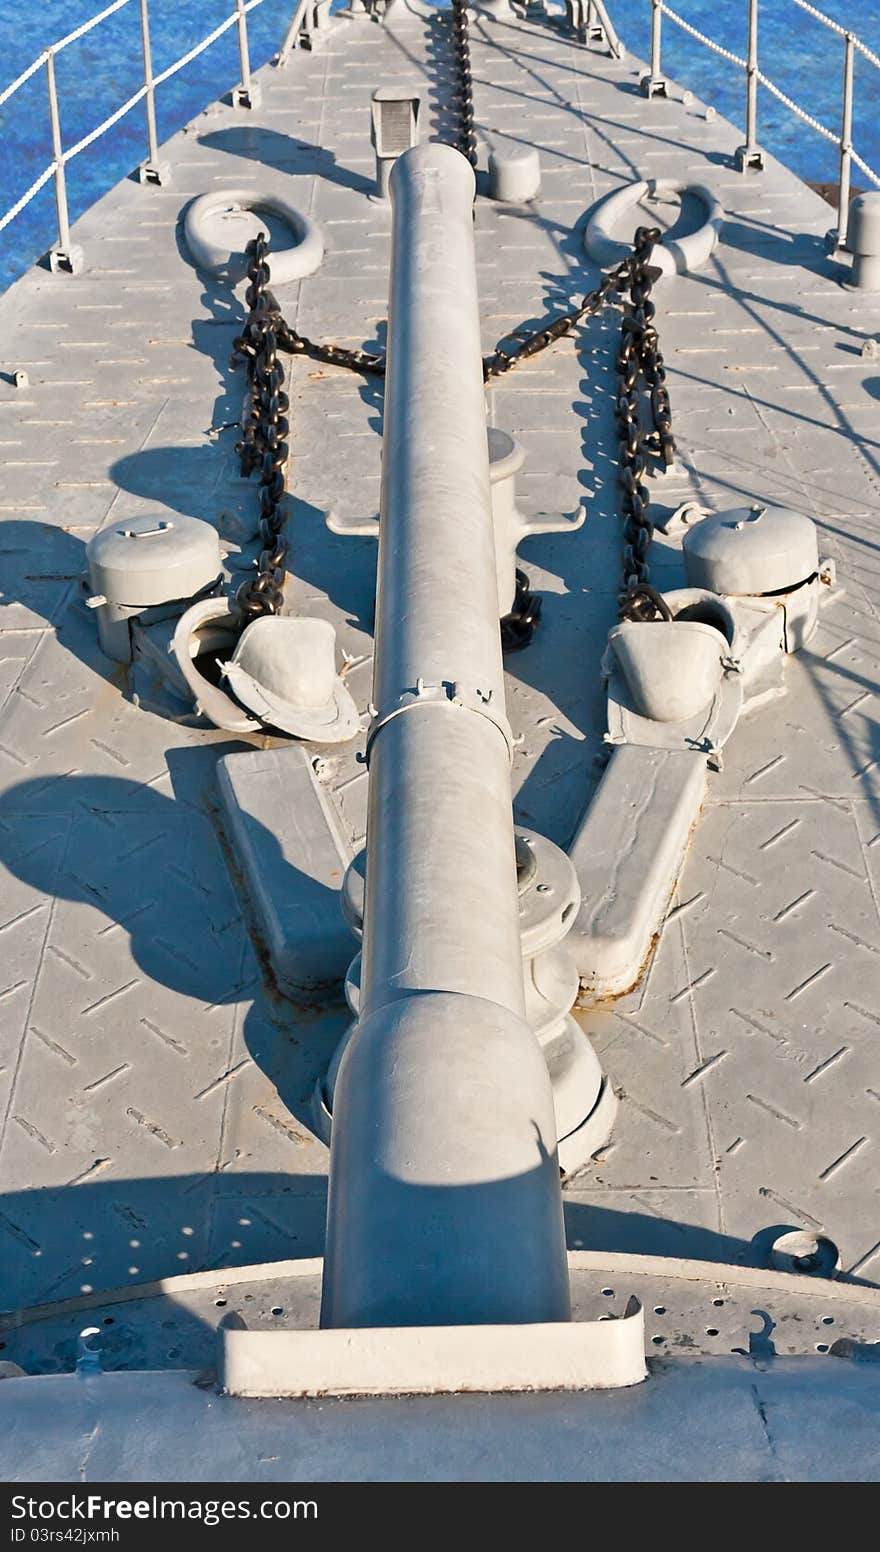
(63,256)
(750,156)
(846,146)
(152,170)
(292,33)
(247,93)
(653,84)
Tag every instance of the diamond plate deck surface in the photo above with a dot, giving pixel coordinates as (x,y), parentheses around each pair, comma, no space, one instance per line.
(154,1090)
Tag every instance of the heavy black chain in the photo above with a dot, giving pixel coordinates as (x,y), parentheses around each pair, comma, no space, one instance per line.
(265,432)
(530,341)
(639,361)
(639,365)
(464,93)
(295,344)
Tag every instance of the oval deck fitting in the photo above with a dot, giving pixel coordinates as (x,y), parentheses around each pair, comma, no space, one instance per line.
(681,255)
(287,263)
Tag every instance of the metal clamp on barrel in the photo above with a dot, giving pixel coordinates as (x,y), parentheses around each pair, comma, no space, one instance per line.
(446,693)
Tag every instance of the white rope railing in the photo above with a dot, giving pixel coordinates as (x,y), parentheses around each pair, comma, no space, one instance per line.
(212,37)
(750,154)
(63,155)
(659,8)
(794,107)
(80,32)
(709,43)
(108,123)
(842,32)
(28,195)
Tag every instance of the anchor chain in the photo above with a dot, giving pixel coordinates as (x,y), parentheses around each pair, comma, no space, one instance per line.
(264,436)
(368,362)
(531,342)
(464,94)
(639,364)
(639,361)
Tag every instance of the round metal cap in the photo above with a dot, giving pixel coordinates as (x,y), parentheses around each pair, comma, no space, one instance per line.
(751,551)
(140,561)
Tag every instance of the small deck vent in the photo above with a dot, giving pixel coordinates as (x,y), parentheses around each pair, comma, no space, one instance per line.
(395,130)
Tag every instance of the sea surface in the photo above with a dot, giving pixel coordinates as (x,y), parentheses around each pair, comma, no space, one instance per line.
(97,73)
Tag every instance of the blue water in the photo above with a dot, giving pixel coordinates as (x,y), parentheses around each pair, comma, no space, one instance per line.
(96,74)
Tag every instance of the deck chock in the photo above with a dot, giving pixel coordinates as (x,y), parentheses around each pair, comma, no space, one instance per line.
(153,172)
(292,854)
(681,255)
(433,1360)
(590,23)
(66,261)
(748,158)
(213,228)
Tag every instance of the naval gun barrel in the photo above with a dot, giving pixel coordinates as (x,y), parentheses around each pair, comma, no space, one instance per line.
(444,1204)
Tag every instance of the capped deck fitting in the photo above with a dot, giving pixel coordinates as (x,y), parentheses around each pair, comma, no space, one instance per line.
(395,129)
(751,550)
(514,174)
(863,241)
(144,561)
(284,671)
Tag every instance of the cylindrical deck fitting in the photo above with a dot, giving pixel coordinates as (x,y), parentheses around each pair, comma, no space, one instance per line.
(445,1205)
(864,240)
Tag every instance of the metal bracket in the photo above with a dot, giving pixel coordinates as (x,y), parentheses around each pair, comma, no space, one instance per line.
(433,1360)
(158,173)
(246,96)
(66,261)
(748,159)
(653,86)
(446,693)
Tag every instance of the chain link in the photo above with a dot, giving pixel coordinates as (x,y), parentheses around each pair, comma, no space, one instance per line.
(641,372)
(531,342)
(639,361)
(265,431)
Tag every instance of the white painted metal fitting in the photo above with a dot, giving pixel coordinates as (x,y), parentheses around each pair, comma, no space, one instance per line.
(618,213)
(217,228)
(140,562)
(549,897)
(506,457)
(514,174)
(444,1205)
(751,550)
(863,240)
(283,670)
(395,129)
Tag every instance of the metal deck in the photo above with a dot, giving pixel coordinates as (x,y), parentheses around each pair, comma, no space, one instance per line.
(154,1089)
